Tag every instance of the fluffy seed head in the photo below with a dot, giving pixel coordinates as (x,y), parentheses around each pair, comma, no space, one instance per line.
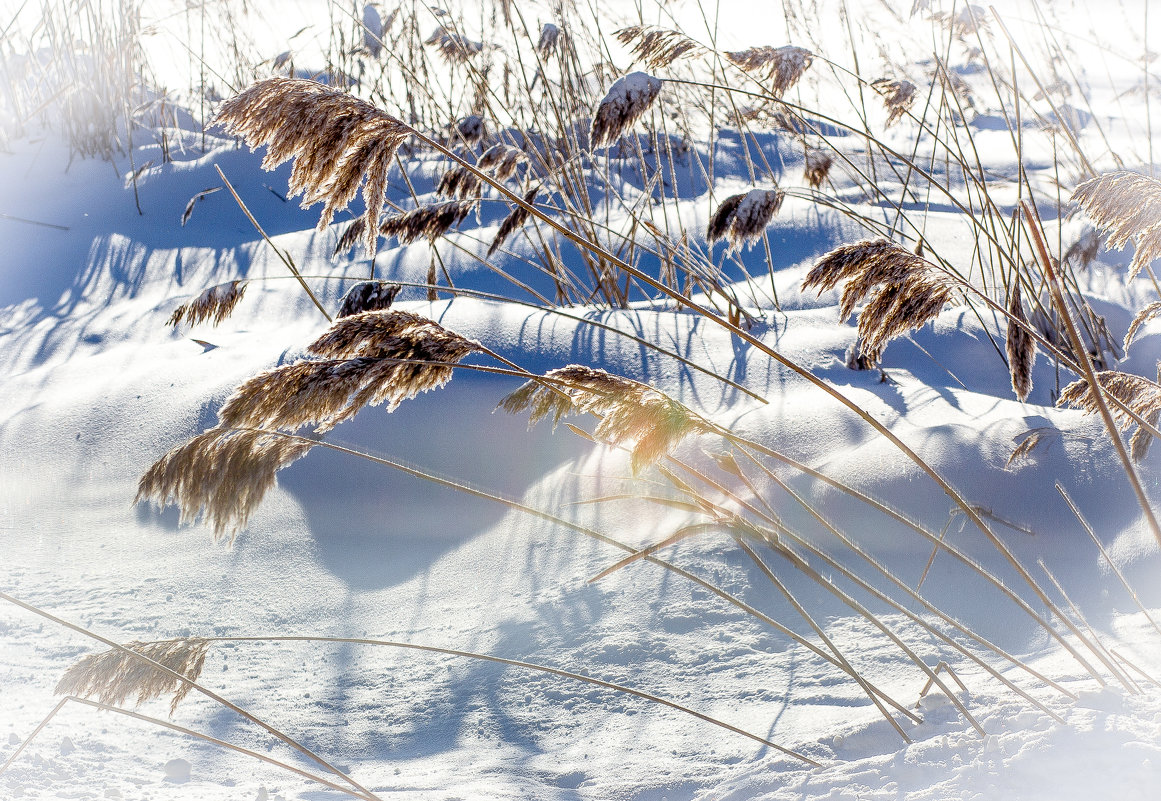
(369,296)
(215,303)
(905,291)
(898,97)
(628,98)
(220,475)
(783,66)
(549,34)
(427,222)
(337,141)
(818,164)
(516,218)
(1139,394)
(459,182)
(1128,206)
(455,48)
(501,161)
(471,129)
(742,218)
(1145,315)
(657,47)
(113,676)
(1020,345)
(632,414)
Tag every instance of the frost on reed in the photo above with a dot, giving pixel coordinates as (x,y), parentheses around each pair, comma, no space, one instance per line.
(369,296)
(427,222)
(905,291)
(818,164)
(898,97)
(1020,345)
(1139,394)
(459,182)
(113,676)
(335,139)
(742,218)
(782,65)
(633,415)
(471,129)
(215,303)
(220,475)
(516,218)
(455,48)
(657,47)
(627,99)
(1128,207)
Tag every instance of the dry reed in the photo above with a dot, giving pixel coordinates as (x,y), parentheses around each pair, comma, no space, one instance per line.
(471,129)
(549,36)
(515,219)
(338,142)
(501,161)
(455,48)
(368,296)
(353,234)
(657,47)
(1128,207)
(905,291)
(215,303)
(1145,315)
(459,182)
(1020,346)
(627,99)
(114,676)
(817,168)
(1139,394)
(743,218)
(783,66)
(632,415)
(898,97)
(427,222)
(220,475)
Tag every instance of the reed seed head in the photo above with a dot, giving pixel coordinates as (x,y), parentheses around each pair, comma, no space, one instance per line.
(1020,346)
(898,97)
(113,676)
(369,296)
(1128,206)
(743,218)
(515,219)
(455,48)
(817,169)
(427,222)
(628,98)
(657,47)
(471,129)
(783,66)
(632,414)
(549,35)
(1137,393)
(459,182)
(215,303)
(337,141)
(1145,315)
(501,161)
(220,475)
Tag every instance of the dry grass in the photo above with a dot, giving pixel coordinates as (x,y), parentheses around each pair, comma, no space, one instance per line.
(742,218)
(817,167)
(1149,312)
(1020,346)
(898,97)
(658,47)
(427,222)
(368,296)
(1128,207)
(215,303)
(338,142)
(113,676)
(782,66)
(511,223)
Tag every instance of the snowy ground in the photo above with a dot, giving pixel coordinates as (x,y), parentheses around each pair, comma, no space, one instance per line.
(96,387)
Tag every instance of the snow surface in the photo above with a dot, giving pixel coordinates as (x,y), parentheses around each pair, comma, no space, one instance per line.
(96,387)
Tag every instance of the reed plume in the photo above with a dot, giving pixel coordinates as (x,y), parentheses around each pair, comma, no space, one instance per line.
(817,169)
(1020,346)
(1137,393)
(501,161)
(1128,207)
(471,129)
(632,414)
(220,476)
(905,291)
(337,141)
(742,218)
(628,98)
(369,296)
(515,219)
(455,48)
(657,47)
(783,66)
(1145,315)
(459,182)
(427,222)
(113,676)
(549,36)
(353,234)
(898,97)
(215,303)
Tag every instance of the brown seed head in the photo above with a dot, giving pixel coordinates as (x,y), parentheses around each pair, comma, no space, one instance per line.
(455,48)
(1020,345)
(1139,394)
(516,218)
(657,47)
(1128,206)
(628,98)
(369,296)
(898,97)
(818,164)
(427,222)
(742,218)
(783,65)
(215,303)
(113,676)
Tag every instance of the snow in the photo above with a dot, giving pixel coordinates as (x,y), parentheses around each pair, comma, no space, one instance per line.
(96,387)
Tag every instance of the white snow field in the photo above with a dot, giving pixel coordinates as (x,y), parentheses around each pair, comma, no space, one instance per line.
(1051,692)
